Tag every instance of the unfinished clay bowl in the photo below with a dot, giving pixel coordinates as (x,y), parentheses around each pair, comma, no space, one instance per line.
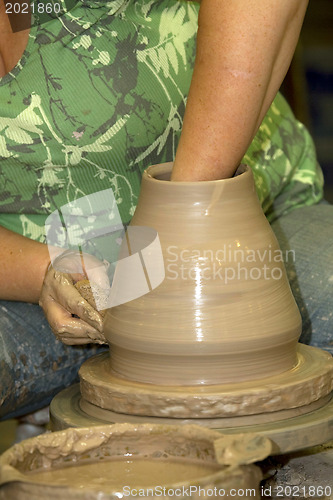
(224,312)
(112,461)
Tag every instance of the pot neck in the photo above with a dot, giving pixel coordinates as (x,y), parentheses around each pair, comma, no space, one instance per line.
(157,187)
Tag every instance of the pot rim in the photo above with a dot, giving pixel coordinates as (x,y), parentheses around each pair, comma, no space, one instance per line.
(151,172)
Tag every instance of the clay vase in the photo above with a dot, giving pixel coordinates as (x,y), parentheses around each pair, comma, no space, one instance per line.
(224,312)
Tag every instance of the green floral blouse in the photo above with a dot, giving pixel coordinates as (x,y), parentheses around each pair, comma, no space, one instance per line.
(99,95)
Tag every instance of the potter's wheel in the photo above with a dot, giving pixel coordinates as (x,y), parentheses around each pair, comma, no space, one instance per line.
(294,410)
(291,434)
(309,381)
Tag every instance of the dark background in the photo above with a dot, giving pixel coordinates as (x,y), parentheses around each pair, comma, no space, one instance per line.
(309,83)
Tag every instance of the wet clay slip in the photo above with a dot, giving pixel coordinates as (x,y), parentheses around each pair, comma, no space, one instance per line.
(104,462)
(219,336)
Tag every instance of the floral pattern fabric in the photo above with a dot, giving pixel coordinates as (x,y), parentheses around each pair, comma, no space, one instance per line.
(99,95)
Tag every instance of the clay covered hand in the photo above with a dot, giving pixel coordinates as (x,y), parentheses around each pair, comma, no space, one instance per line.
(72,318)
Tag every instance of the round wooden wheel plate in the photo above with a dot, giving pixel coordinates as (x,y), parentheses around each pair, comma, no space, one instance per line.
(310,381)
(288,435)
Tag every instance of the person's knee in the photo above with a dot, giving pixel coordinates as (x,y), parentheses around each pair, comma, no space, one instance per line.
(308,233)
(7,387)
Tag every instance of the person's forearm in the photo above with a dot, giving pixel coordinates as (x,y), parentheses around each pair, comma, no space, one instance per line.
(23,264)
(244,50)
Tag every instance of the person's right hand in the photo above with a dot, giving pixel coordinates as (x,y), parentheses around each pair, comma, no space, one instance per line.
(72,319)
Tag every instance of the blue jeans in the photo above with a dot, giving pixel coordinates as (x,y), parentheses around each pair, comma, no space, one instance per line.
(308,231)
(34,366)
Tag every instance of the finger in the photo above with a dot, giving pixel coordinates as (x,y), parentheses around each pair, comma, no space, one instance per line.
(73,341)
(68,329)
(71,300)
(79,340)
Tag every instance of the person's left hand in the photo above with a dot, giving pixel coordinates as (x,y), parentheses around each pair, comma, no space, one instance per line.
(73,320)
